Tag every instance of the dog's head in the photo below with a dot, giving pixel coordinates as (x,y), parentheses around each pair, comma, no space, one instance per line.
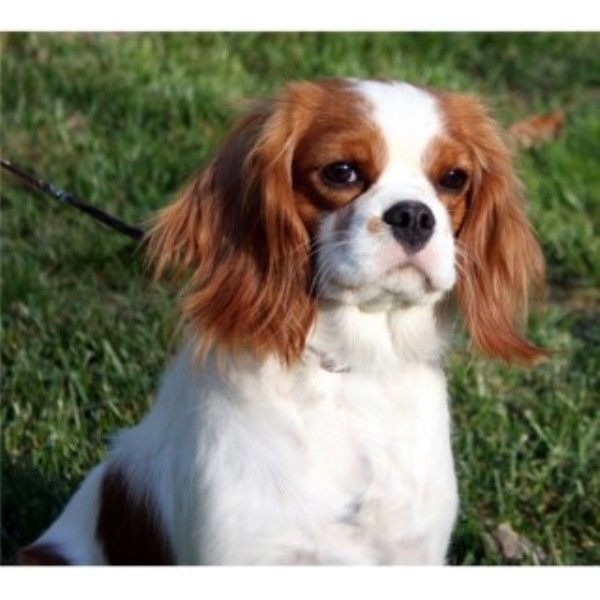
(377,194)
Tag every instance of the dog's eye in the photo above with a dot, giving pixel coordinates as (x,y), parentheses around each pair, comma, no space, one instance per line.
(341,174)
(454,180)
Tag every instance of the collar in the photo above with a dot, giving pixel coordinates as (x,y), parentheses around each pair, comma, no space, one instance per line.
(328,363)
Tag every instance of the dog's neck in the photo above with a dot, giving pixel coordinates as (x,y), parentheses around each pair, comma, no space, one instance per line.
(348,339)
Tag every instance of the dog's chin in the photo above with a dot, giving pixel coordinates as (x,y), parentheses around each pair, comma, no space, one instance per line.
(404,286)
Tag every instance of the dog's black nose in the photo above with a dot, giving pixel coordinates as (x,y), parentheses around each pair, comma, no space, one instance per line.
(412,224)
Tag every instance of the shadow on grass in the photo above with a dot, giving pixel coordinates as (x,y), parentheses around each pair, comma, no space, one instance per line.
(467,546)
(30,502)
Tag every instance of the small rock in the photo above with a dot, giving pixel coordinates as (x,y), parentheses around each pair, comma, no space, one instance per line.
(513,546)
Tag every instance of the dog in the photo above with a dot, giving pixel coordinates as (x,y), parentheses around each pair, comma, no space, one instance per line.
(322,253)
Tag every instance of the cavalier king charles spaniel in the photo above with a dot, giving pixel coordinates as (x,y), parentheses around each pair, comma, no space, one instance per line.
(305,419)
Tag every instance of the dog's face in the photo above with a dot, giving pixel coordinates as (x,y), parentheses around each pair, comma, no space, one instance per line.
(376,194)
(392,181)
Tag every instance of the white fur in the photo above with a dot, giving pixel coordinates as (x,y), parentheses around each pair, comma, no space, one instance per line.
(257,463)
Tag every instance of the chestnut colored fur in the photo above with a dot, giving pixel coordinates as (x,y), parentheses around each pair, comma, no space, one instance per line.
(128,526)
(42,555)
(500,261)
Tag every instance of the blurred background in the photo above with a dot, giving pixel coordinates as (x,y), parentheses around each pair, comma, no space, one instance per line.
(122,120)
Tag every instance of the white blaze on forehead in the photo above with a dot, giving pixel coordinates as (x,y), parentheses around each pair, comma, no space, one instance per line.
(408,119)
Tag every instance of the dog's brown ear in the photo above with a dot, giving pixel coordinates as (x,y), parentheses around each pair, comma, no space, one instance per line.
(235,233)
(500,261)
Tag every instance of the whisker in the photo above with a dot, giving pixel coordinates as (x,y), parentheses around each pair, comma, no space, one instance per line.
(322,275)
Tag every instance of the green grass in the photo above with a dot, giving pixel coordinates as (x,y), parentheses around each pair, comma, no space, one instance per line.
(124,119)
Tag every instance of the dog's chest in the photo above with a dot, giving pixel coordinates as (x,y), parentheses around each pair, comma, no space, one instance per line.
(367,455)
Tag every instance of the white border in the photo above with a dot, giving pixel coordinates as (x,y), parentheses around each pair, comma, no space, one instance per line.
(302,15)
(298,583)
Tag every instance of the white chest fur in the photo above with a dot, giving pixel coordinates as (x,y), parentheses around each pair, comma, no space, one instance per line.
(267,464)
(274,465)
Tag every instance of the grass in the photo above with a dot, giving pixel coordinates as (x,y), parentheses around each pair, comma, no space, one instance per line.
(124,119)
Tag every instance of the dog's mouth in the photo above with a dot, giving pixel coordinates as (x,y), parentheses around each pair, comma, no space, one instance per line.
(406,284)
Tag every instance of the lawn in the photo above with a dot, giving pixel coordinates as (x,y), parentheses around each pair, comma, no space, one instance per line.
(123,120)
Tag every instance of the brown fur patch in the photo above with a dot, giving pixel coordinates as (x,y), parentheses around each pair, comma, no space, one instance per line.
(499,258)
(43,554)
(445,154)
(338,128)
(128,527)
(375,225)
